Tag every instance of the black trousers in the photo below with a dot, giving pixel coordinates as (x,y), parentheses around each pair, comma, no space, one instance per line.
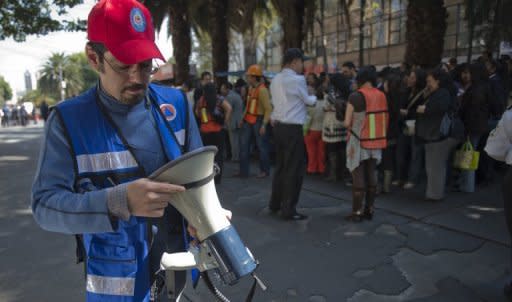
(290,168)
(215,139)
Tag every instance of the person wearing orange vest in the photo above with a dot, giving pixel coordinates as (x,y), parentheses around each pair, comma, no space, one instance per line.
(367,119)
(255,120)
(213,111)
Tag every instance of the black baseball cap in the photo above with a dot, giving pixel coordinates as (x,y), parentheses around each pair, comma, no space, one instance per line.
(292,54)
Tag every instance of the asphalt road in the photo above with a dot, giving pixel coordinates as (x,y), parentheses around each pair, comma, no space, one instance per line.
(456,250)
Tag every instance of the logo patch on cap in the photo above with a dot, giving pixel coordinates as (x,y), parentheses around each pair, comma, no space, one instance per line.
(169,111)
(137,19)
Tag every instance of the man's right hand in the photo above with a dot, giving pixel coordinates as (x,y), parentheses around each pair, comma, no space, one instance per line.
(148,198)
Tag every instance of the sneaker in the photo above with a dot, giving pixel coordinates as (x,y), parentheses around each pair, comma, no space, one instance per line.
(409,185)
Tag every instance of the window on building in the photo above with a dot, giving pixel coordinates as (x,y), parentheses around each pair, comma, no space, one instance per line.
(394,31)
(331,44)
(331,7)
(342,41)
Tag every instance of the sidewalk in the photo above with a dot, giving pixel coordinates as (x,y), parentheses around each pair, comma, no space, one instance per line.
(455,250)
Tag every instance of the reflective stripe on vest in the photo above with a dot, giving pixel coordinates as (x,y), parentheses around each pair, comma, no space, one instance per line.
(116,286)
(203,113)
(374,132)
(100,162)
(117,262)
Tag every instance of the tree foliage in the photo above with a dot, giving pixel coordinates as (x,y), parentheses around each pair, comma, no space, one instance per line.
(5,90)
(19,18)
(37,97)
(75,71)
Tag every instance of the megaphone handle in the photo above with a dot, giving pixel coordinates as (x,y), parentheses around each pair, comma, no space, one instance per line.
(175,283)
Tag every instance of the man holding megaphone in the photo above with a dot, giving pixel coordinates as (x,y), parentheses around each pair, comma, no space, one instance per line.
(100,148)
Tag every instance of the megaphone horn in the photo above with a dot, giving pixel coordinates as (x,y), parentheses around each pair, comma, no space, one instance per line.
(220,247)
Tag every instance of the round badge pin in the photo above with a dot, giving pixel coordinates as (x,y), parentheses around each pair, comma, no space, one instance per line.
(169,111)
(137,19)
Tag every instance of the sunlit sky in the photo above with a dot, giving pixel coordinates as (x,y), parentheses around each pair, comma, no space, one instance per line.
(16,58)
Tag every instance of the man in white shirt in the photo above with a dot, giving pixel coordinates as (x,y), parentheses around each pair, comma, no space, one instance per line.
(290,97)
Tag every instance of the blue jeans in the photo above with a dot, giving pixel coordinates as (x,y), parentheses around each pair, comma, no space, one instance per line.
(247,132)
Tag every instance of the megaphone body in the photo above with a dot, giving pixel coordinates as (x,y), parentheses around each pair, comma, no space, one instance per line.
(220,247)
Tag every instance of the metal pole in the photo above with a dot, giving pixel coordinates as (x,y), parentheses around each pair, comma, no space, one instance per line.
(322,29)
(471,17)
(361,33)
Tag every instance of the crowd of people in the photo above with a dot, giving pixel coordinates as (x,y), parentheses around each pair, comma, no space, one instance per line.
(14,115)
(471,96)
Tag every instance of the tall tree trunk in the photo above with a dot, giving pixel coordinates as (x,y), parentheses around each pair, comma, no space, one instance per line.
(250,40)
(494,36)
(180,30)
(322,31)
(361,33)
(426,26)
(219,33)
(291,13)
(471,28)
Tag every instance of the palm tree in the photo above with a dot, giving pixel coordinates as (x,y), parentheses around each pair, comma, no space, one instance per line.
(87,73)
(426,26)
(216,18)
(59,68)
(179,29)
(219,33)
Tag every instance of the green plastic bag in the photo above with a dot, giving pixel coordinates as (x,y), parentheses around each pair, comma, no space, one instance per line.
(466,158)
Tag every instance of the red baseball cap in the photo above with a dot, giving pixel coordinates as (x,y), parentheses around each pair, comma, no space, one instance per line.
(125,28)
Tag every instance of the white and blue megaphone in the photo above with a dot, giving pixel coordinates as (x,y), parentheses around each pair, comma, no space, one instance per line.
(220,247)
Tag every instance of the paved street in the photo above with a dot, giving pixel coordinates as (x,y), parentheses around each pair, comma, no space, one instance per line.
(455,250)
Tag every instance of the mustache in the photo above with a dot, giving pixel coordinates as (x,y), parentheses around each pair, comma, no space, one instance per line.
(135,87)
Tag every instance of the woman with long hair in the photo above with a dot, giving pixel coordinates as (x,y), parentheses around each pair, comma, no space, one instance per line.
(474,112)
(394,94)
(213,111)
(409,146)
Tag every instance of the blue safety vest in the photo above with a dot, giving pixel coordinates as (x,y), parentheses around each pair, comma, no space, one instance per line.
(118,263)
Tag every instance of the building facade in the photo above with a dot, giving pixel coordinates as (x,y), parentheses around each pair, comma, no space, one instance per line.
(384,29)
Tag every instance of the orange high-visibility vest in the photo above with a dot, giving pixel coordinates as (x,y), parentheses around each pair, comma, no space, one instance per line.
(208,123)
(251,109)
(374,132)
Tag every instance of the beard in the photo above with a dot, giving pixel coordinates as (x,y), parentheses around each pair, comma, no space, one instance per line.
(133,94)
